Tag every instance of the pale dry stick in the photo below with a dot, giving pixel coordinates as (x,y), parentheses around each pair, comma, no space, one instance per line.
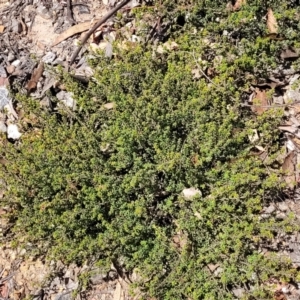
(202,72)
(98,24)
(7,277)
(3,270)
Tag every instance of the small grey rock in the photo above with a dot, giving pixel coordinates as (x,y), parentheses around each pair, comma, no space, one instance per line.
(4,97)
(43,12)
(280,216)
(64,296)
(278,100)
(283,206)
(16,26)
(239,292)
(270,209)
(2,72)
(49,57)
(291,96)
(71,285)
(10,56)
(55,283)
(67,99)
(68,274)
(98,278)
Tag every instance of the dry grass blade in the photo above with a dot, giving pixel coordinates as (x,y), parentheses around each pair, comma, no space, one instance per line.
(271,22)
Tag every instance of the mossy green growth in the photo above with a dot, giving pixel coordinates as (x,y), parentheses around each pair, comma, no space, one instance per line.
(106,184)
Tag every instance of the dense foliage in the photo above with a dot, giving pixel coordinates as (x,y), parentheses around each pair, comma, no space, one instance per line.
(106,182)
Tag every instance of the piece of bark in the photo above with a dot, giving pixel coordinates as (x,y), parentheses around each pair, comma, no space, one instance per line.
(78,28)
(35,77)
(288,168)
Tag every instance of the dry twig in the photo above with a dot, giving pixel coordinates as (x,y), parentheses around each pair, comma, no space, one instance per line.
(69,12)
(202,72)
(98,24)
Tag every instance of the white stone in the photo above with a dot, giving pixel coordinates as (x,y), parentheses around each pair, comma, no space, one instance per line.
(283,206)
(285,290)
(16,63)
(254,137)
(49,57)
(270,209)
(66,98)
(190,193)
(13,132)
(290,145)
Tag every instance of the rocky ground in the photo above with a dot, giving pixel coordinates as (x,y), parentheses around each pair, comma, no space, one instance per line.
(36,35)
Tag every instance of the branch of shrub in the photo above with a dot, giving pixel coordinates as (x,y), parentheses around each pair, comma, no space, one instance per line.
(93,29)
(202,72)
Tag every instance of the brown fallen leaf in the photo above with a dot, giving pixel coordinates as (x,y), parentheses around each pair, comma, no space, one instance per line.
(288,167)
(238,4)
(36,75)
(289,53)
(271,22)
(260,102)
(2,28)
(78,28)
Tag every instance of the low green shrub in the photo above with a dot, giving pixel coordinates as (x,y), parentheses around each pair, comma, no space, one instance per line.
(106,184)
